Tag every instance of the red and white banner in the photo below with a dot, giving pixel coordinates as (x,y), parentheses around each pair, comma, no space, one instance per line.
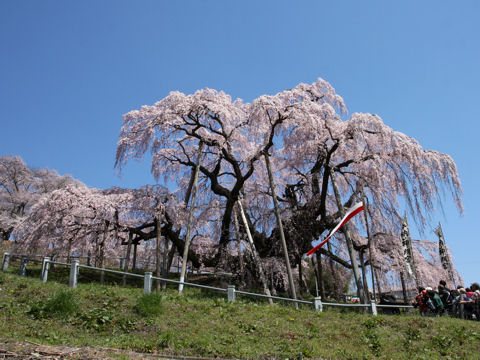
(354,210)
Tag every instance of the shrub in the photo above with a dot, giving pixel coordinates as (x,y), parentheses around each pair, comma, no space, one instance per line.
(149,304)
(96,318)
(62,303)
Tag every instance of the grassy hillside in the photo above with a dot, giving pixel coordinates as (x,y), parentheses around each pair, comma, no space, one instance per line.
(205,324)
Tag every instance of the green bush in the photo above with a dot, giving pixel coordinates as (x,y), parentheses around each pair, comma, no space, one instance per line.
(62,303)
(96,318)
(149,304)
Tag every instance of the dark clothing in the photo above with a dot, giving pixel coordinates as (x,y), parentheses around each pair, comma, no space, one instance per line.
(438,303)
(476,305)
(445,297)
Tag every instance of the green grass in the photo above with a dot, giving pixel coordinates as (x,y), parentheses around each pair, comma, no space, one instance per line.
(62,303)
(149,304)
(204,324)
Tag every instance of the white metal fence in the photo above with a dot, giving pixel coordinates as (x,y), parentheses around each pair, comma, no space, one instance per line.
(148,277)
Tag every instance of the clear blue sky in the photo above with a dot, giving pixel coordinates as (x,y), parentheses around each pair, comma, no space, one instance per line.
(70,69)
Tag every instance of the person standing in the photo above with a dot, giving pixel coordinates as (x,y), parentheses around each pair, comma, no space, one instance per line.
(437,308)
(445,296)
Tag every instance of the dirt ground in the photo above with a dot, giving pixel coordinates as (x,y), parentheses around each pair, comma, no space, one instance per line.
(31,350)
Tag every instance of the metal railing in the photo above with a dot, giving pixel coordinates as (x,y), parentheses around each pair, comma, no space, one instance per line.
(148,277)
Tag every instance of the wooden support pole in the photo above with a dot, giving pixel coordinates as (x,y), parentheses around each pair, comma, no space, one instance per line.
(364,276)
(165,263)
(351,250)
(377,280)
(158,253)
(239,241)
(370,241)
(190,220)
(280,228)
(319,274)
(134,265)
(127,257)
(256,257)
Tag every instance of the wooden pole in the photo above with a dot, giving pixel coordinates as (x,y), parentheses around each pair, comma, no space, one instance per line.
(378,283)
(280,228)
(190,220)
(346,232)
(300,279)
(134,265)
(239,241)
(127,257)
(102,252)
(364,275)
(319,274)
(158,254)
(369,241)
(336,291)
(256,257)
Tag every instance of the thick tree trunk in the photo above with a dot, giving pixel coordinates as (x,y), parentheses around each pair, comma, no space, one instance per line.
(280,228)
(256,257)
(346,232)
(190,221)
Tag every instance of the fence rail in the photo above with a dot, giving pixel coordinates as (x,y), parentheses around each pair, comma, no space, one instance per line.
(148,277)
(145,265)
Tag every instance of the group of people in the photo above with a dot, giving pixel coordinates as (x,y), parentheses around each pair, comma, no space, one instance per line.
(459,302)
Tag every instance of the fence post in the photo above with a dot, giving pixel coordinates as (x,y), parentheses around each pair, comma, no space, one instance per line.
(5,260)
(231,293)
(317,303)
(45,267)
(373,307)
(73,274)
(122,263)
(23,266)
(147,283)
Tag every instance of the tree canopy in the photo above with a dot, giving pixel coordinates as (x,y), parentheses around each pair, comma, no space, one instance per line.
(303,131)
(307,135)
